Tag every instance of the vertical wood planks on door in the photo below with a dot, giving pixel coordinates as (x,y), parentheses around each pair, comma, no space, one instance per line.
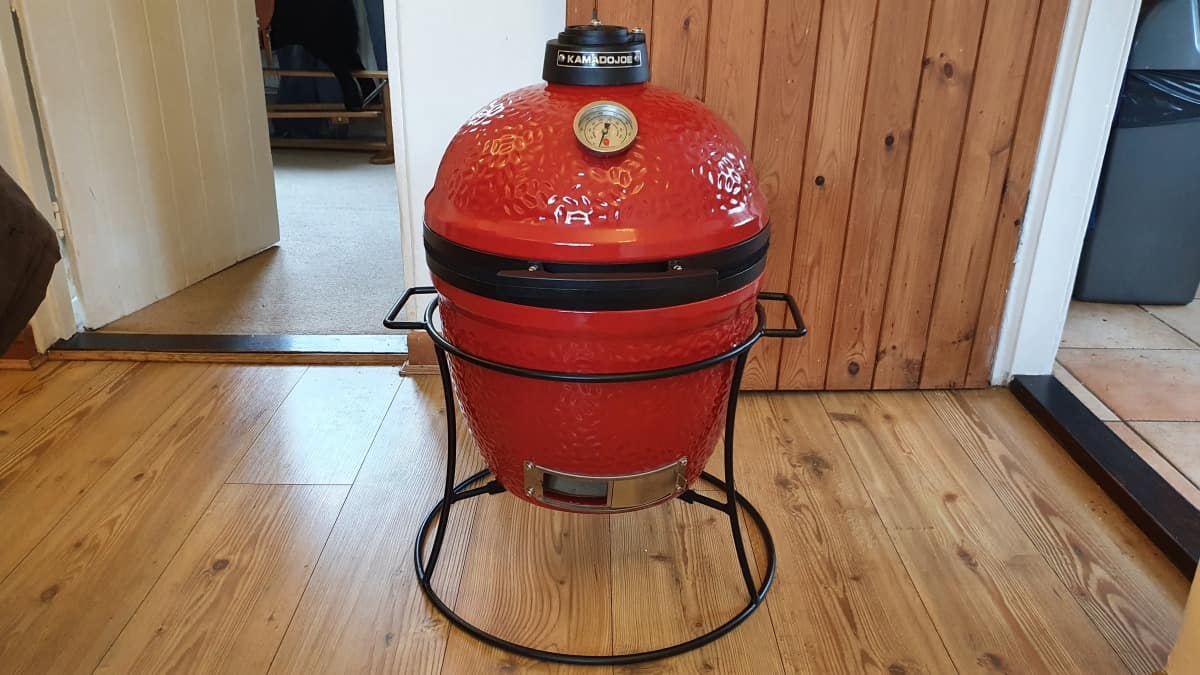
(734,59)
(242,87)
(982,168)
(96,61)
(884,145)
(266,210)
(735,50)
(895,162)
(147,142)
(843,59)
(197,213)
(579,12)
(1025,143)
(631,13)
(679,57)
(950,51)
(785,92)
(195,41)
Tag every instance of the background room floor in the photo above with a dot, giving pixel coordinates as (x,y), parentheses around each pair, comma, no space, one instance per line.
(1138,369)
(251,519)
(336,269)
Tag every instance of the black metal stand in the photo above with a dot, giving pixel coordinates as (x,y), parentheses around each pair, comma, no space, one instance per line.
(732,506)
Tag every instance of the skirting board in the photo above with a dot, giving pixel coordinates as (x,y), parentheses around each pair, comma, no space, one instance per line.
(22,354)
(422,358)
(1169,520)
(277,349)
(28,363)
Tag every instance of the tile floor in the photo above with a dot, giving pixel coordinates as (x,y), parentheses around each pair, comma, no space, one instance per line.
(1138,369)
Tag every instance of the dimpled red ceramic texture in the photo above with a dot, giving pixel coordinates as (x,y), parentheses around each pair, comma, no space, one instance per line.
(594,429)
(515,182)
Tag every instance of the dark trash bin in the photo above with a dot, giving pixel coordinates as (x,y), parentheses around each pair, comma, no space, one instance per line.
(1143,244)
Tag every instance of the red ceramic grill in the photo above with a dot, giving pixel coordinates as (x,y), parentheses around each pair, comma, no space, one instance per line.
(596,244)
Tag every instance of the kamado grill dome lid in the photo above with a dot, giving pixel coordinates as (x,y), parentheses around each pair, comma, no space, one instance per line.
(596,180)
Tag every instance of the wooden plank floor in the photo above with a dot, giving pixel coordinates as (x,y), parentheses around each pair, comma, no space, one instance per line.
(258,519)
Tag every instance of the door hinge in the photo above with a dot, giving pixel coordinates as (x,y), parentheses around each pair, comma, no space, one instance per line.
(60,221)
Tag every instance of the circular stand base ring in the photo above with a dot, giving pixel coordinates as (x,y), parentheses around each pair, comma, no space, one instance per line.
(758,593)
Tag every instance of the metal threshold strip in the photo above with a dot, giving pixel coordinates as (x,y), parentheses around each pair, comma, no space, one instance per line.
(276,349)
(1167,518)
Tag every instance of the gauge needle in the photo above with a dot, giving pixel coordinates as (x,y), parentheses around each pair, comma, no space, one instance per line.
(601,141)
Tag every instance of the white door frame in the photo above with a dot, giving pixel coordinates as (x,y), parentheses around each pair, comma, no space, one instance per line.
(21,157)
(430,103)
(409,234)
(1083,97)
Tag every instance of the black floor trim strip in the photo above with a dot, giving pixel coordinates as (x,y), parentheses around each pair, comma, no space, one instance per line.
(1171,522)
(235,344)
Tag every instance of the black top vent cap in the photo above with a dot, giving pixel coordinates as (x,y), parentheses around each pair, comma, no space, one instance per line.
(597,54)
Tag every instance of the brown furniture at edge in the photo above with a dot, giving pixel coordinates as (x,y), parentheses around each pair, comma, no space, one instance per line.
(384,150)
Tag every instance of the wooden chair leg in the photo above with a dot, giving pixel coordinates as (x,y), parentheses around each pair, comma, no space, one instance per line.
(387,156)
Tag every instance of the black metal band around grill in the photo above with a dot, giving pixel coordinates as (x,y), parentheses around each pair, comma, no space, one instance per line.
(427,551)
(589,287)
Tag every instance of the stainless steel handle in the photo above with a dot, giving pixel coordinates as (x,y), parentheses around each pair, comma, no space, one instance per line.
(605,494)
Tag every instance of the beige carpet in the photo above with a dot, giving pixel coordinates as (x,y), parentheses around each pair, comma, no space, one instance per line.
(336,269)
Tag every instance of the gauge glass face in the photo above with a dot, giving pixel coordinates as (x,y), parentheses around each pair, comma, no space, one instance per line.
(605,127)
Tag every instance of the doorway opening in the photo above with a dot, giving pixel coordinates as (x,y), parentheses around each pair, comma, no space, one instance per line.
(333,271)
(337,261)
(1130,350)
(1101,341)
(1137,368)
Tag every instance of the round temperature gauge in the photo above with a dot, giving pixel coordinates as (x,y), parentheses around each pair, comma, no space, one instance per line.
(605,127)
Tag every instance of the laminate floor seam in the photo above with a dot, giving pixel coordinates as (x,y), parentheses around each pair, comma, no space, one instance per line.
(312,571)
(612,594)
(470,535)
(888,531)
(333,526)
(150,587)
(32,375)
(760,574)
(771,620)
(1019,522)
(289,484)
(17,444)
(870,596)
(191,528)
(69,510)
(25,377)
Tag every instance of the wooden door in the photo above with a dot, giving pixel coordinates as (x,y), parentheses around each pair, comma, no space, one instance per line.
(895,142)
(156,132)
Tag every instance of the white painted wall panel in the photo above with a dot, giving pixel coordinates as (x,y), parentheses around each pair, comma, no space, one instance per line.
(156,126)
(454,57)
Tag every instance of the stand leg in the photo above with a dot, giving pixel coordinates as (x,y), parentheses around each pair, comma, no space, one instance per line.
(734,505)
(451,455)
(731,504)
